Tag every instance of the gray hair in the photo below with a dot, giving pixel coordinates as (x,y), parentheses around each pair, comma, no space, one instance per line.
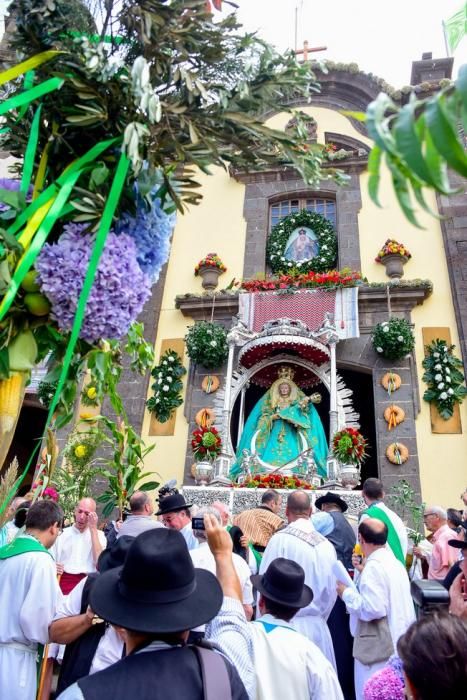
(206,510)
(440,512)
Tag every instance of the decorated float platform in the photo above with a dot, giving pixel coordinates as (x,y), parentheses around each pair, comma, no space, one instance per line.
(239,499)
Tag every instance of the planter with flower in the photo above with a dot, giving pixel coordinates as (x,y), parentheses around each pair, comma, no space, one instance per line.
(393,339)
(446,382)
(206,444)
(206,344)
(393,256)
(350,449)
(209,269)
(276,481)
(167,387)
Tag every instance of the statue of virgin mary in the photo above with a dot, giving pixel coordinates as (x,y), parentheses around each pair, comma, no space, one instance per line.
(283,425)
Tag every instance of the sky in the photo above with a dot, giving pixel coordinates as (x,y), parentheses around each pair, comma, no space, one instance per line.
(381,37)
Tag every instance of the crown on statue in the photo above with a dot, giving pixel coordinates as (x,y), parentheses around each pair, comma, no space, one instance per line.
(285,373)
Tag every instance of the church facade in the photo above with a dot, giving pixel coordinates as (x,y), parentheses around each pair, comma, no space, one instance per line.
(235,220)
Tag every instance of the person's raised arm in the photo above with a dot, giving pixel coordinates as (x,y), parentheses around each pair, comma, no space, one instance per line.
(220,544)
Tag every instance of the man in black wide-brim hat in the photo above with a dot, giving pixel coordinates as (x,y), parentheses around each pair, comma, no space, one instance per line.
(153,600)
(175,514)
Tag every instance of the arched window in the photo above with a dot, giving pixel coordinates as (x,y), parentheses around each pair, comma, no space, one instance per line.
(326,207)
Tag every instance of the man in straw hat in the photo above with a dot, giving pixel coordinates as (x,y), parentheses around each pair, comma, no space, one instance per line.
(284,662)
(175,514)
(153,600)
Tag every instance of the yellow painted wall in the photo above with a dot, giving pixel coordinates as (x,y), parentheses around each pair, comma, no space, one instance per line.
(217,225)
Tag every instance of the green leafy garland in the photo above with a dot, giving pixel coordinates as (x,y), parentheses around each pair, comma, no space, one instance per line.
(167,387)
(206,344)
(280,234)
(444,378)
(393,339)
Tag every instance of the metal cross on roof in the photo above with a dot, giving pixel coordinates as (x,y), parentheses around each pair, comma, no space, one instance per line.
(306,50)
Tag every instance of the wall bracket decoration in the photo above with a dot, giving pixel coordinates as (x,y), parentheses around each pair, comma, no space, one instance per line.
(205,417)
(394,416)
(397,453)
(391,382)
(210,384)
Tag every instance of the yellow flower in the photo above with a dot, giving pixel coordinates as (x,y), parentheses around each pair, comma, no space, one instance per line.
(91,393)
(80,451)
(85,415)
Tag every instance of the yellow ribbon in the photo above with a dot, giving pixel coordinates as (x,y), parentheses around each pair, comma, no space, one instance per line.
(30,64)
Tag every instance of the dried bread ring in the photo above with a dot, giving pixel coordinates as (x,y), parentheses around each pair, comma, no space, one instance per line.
(394,415)
(210,383)
(205,417)
(396,380)
(397,453)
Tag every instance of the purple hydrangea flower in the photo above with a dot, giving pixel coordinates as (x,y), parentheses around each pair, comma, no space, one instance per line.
(387,683)
(151,230)
(120,287)
(7,183)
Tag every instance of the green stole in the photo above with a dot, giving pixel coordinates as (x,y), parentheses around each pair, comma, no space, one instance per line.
(393,538)
(21,545)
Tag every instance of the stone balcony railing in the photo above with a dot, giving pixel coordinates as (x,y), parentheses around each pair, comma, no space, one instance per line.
(238,499)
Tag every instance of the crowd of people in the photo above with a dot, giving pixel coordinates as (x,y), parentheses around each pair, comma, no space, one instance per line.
(209,605)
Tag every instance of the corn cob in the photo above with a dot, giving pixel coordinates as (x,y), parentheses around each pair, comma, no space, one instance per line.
(11,396)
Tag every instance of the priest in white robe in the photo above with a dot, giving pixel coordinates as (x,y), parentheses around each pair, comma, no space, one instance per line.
(383,592)
(301,543)
(28,595)
(273,659)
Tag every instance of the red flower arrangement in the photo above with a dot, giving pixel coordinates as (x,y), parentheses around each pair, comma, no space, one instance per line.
(345,278)
(392,247)
(206,443)
(349,446)
(48,494)
(276,481)
(211,260)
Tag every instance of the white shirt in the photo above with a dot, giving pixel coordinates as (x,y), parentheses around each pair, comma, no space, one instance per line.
(274,661)
(203,558)
(73,549)
(317,561)
(397,523)
(110,647)
(384,590)
(28,595)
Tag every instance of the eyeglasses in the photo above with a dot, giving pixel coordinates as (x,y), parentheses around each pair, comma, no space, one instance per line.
(426,515)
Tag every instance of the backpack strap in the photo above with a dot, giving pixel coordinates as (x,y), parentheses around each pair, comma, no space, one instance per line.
(216,680)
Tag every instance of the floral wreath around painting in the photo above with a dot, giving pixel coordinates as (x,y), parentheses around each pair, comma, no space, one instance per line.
(278,251)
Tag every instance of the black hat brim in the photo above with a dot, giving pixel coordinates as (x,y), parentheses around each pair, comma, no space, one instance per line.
(197,609)
(458,544)
(161,511)
(331,498)
(304,600)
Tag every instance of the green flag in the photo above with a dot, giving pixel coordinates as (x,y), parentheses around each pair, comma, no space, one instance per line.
(455,28)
